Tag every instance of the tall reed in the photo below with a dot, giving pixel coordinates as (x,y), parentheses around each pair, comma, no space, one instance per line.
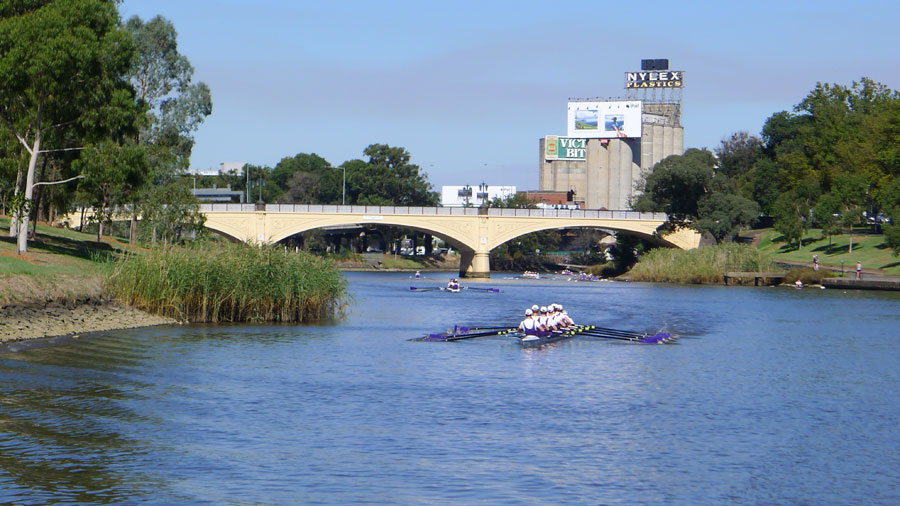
(699,266)
(230,282)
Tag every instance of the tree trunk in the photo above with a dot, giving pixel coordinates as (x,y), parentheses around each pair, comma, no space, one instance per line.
(22,239)
(99,230)
(14,219)
(132,234)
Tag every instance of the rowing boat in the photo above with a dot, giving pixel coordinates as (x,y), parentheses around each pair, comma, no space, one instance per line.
(534,341)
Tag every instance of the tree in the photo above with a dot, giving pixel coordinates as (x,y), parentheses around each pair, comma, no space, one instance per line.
(387,178)
(175,107)
(688,189)
(307,178)
(62,65)
(737,157)
(170,210)
(835,132)
(722,214)
(789,219)
(110,171)
(826,215)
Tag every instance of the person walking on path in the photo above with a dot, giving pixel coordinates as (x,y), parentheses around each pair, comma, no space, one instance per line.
(815,262)
(859,270)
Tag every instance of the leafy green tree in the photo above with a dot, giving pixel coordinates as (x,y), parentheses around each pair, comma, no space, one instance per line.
(110,172)
(387,178)
(737,156)
(515,201)
(722,214)
(170,210)
(175,106)
(676,185)
(789,218)
(62,65)
(307,170)
(688,189)
(834,135)
(826,215)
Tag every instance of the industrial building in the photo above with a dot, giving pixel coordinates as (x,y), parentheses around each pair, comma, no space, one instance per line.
(610,143)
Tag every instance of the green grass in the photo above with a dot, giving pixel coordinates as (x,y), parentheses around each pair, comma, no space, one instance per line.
(60,264)
(230,282)
(871,250)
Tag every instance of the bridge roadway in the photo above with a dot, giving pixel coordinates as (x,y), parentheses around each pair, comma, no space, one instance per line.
(473,231)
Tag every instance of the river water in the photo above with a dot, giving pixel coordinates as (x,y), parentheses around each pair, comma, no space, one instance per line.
(771,396)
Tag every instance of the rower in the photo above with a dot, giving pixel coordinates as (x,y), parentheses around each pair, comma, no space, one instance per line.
(544,320)
(528,325)
(556,322)
(453,284)
(569,322)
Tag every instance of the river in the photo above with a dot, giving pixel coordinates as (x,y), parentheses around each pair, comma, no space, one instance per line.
(770,396)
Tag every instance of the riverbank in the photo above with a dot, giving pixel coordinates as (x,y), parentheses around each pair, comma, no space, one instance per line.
(31,320)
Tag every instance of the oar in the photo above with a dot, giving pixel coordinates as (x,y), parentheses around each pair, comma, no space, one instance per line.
(613,331)
(422,289)
(658,338)
(486,327)
(493,290)
(476,334)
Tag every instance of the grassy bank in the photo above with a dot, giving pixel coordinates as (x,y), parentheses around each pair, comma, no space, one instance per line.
(698,266)
(869,249)
(230,282)
(60,265)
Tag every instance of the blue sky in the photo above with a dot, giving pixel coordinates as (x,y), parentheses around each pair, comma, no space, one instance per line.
(469,88)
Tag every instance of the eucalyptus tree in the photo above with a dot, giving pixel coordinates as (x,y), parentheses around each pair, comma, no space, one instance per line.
(175,106)
(62,65)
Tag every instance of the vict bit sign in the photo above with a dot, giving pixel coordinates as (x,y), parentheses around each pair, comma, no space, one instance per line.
(564,148)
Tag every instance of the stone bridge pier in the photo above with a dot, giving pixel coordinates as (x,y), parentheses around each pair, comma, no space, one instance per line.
(474,264)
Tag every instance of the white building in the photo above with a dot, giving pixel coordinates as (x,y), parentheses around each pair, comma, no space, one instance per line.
(226,167)
(460,196)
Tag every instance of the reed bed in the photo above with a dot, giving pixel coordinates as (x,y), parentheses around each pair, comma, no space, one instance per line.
(229,283)
(699,266)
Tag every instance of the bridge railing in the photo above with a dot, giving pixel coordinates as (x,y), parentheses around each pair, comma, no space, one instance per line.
(432,211)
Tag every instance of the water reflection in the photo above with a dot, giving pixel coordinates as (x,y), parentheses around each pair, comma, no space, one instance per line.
(771,396)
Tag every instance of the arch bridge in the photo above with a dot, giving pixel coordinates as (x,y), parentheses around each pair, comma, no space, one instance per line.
(473,231)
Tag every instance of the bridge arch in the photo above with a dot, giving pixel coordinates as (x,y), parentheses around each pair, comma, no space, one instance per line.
(647,233)
(473,231)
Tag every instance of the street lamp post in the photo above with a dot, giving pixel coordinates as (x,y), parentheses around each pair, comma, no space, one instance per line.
(344,187)
(483,187)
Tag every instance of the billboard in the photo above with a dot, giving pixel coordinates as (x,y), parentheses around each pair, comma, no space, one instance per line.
(604,119)
(660,79)
(564,148)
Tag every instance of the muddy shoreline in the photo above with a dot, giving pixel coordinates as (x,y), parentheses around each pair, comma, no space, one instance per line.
(26,322)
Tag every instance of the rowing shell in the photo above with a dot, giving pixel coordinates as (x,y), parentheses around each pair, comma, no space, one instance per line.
(533,341)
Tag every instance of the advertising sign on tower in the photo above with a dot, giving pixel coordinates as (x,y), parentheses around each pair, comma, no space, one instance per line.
(564,148)
(604,119)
